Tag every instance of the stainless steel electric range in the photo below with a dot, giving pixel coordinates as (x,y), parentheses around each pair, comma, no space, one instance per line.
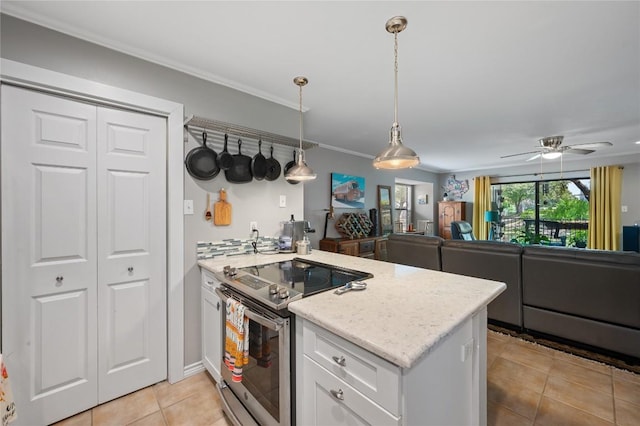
(264,396)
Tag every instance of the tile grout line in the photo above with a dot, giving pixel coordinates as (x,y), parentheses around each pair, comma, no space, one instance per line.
(546,380)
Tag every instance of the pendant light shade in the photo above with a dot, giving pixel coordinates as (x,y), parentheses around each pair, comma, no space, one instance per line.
(300,172)
(396,155)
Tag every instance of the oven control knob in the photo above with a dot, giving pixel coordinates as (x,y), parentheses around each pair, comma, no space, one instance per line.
(283,293)
(273,289)
(233,272)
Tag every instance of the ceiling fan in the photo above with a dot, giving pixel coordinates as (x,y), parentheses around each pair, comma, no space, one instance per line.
(550,148)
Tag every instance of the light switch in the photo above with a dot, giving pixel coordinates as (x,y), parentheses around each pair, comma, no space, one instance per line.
(188,206)
(625,209)
(283,201)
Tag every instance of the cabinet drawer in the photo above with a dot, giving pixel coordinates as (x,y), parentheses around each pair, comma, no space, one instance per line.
(369,374)
(367,246)
(208,279)
(332,401)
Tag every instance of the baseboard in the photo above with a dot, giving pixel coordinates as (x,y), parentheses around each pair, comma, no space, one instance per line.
(192,369)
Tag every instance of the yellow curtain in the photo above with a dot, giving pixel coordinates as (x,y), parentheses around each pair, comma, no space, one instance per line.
(604,208)
(481,203)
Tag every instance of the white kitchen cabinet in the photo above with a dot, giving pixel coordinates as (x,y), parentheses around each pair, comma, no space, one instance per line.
(211,315)
(447,386)
(84,252)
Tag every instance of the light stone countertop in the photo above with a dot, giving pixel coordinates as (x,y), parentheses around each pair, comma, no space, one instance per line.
(401,316)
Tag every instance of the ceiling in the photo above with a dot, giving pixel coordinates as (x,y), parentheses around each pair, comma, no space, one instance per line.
(477,80)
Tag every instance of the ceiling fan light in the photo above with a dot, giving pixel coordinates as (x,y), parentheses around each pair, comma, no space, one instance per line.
(396,155)
(551,155)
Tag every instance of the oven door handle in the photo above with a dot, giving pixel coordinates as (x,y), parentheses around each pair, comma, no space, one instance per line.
(274,325)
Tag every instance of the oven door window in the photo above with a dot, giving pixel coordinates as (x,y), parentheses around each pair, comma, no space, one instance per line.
(261,376)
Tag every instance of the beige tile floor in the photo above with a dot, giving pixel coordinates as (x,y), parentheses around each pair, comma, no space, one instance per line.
(527,384)
(192,401)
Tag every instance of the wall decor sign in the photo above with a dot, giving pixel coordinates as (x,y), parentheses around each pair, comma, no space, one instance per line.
(455,189)
(423,199)
(347,192)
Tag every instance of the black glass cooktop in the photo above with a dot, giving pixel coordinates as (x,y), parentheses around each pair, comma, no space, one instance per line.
(303,276)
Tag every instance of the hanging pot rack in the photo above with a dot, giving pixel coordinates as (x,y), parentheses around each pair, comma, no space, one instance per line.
(236,130)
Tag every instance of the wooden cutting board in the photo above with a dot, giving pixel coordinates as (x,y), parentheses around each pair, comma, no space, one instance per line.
(222,210)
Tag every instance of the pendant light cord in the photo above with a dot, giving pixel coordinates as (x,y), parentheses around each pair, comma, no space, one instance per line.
(300,118)
(395,64)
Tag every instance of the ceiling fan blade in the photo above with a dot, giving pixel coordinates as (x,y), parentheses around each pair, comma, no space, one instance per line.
(571,150)
(521,153)
(534,157)
(592,145)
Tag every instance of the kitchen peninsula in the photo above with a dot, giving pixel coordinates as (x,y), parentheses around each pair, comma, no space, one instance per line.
(410,349)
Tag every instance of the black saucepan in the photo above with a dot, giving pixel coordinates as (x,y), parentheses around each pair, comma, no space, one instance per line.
(201,162)
(289,165)
(259,164)
(240,171)
(273,168)
(225,160)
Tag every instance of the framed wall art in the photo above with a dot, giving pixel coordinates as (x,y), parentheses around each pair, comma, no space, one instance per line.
(347,192)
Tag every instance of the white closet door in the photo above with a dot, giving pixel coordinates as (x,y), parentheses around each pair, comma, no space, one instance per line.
(49,253)
(132,346)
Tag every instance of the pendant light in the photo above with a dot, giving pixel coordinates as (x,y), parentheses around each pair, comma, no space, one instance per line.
(396,155)
(300,172)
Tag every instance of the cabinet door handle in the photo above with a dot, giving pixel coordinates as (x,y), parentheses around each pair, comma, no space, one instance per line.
(340,360)
(218,306)
(337,394)
(59,279)
(130,269)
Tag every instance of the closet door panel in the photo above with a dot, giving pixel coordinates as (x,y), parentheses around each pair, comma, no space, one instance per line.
(49,264)
(131,241)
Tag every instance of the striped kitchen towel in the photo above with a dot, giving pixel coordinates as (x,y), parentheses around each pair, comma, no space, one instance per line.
(236,346)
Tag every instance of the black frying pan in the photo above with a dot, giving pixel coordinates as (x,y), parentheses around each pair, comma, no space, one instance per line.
(289,165)
(259,164)
(225,160)
(273,168)
(240,171)
(201,162)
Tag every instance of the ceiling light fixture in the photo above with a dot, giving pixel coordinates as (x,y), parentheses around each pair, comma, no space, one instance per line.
(396,155)
(551,155)
(300,172)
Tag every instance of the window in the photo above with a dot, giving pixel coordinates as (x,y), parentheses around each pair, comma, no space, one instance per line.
(554,212)
(403,202)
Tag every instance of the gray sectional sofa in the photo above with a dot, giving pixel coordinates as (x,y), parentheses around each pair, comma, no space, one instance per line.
(589,297)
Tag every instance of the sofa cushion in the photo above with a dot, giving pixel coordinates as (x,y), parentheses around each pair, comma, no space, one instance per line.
(492,260)
(595,284)
(414,250)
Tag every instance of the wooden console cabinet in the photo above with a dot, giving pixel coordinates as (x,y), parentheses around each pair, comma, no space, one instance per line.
(449,211)
(363,247)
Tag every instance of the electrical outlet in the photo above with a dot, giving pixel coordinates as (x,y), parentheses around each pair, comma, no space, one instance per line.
(252,226)
(283,201)
(625,209)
